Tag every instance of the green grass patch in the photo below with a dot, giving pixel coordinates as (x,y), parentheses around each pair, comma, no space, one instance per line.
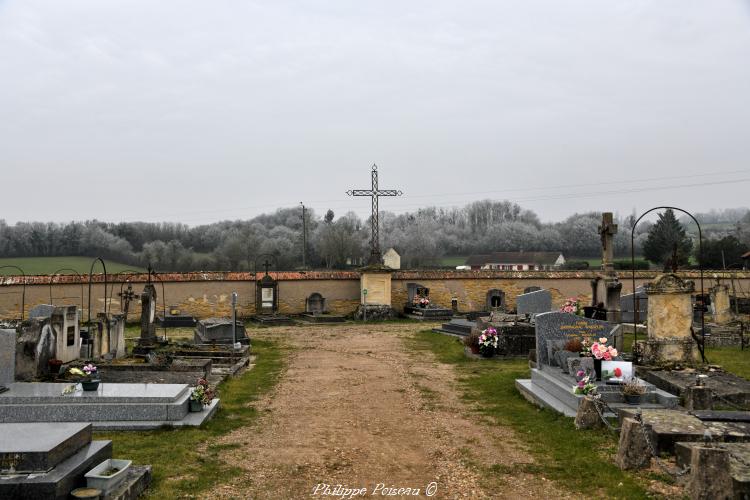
(180,468)
(732,359)
(49,265)
(453,261)
(570,457)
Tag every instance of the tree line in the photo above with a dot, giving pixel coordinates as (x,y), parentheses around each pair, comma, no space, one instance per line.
(422,238)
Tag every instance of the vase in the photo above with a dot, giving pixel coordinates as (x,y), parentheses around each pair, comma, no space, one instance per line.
(598,368)
(487,352)
(195,406)
(633,399)
(90,385)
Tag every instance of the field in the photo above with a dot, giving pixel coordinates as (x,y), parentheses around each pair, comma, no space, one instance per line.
(49,265)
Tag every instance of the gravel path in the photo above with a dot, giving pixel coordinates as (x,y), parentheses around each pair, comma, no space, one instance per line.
(357,408)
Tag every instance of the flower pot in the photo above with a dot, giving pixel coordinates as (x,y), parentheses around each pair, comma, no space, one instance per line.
(195,406)
(422,305)
(633,399)
(96,477)
(90,385)
(598,368)
(487,352)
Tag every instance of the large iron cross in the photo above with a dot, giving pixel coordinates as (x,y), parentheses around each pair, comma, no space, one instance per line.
(374,193)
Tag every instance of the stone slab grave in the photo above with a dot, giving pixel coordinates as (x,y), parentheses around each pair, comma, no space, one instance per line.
(432,312)
(111,407)
(219,331)
(174,318)
(727,389)
(225,361)
(457,327)
(550,387)
(668,427)
(40,460)
(174,371)
(536,302)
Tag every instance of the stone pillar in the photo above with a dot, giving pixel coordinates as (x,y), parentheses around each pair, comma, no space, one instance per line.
(670,322)
(148,315)
(633,451)
(710,476)
(606,288)
(721,309)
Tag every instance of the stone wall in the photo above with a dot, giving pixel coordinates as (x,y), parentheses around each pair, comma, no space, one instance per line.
(209,294)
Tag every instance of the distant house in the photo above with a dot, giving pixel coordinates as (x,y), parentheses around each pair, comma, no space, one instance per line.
(392,259)
(515,261)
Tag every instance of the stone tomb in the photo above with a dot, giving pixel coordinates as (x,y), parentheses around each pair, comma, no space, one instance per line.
(536,302)
(315,310)
(412,308)
(47,461)
(551,387)
(175,319)
(219,331)
(110,407)
(64,321)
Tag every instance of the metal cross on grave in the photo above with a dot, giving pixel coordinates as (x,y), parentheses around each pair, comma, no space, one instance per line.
(374,193)
(266,264)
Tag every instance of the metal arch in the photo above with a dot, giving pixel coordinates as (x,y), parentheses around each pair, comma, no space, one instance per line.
(91,271)
(131,272)
(57,273)
(23,290)
(702,343)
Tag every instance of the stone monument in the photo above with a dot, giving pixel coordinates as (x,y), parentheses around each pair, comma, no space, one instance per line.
(606,287)
(721,308)
(670,322)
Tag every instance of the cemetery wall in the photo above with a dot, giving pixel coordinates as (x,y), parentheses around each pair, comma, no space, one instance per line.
(209,294)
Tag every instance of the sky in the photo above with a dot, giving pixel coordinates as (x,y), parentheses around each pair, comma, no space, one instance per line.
(203,111)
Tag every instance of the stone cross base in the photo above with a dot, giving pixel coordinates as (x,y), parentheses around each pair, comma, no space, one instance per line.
(661,352)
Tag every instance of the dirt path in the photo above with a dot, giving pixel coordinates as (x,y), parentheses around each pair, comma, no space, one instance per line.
(357,408)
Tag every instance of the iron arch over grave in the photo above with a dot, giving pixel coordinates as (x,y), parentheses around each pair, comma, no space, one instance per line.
(702,343)
(495,300)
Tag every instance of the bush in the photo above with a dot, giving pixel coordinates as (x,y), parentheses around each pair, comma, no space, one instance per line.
(575,265)
(472,340)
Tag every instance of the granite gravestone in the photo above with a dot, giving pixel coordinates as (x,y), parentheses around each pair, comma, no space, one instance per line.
(7,357)
(627,306)
(219,331)
(315,304)
(536,302)
(553,329)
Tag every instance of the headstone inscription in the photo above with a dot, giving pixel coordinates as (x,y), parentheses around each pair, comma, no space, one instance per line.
(553,329)
(536,302)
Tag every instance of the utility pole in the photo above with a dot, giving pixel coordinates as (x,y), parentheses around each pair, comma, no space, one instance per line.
(304,235)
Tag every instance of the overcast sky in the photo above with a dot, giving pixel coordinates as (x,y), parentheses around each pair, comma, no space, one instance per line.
(202,111)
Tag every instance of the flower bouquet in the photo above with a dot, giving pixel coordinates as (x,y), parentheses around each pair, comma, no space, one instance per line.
(572,305)
(201,396)
(601,351)
(585,386)
(87,376)
(424,302)
(488,342)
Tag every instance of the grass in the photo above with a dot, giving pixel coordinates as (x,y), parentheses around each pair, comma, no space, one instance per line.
(48,265)
(188,461)
(732,359)
(453,261)
(563,454)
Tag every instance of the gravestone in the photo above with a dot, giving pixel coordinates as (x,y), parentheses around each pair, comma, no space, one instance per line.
(721,308)
(36,346)
(628,305)
(41,311)
(148,315)
(670,322)
(117,336)
(415,291)
(315,304)
(266,294)
(536,302)
(7,357)
(219,331)
(495,300)
(556,327)
(64,321)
